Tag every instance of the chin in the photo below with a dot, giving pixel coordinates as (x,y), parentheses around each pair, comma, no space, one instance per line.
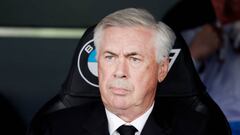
(121,105)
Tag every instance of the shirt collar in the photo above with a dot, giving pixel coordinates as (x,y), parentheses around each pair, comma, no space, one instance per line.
(114,122)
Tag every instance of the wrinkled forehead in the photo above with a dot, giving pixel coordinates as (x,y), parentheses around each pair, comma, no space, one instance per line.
(137,39)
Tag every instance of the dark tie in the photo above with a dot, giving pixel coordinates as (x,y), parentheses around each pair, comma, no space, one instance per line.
(126,130)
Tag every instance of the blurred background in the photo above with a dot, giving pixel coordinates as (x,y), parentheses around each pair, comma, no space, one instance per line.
(38,39)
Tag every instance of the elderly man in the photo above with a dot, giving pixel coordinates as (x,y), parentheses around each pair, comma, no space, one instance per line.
(132,55)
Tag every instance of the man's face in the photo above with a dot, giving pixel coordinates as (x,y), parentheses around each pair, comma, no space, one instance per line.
(127,67)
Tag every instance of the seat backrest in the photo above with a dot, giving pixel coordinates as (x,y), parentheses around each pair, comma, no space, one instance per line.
(182,88)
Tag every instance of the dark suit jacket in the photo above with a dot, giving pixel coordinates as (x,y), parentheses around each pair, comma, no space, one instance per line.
(91,119)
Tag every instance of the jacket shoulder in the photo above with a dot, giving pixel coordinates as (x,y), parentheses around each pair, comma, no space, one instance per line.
(71,120)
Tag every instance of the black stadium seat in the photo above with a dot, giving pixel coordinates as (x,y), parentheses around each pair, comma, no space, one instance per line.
(182,96)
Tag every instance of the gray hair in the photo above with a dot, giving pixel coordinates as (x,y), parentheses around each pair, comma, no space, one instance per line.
(132,17)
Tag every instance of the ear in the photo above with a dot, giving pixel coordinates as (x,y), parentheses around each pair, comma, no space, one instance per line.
(163,69)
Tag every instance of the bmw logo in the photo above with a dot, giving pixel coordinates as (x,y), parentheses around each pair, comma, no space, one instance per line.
(87,64)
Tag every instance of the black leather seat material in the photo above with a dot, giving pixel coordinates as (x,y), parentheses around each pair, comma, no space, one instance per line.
(181,97)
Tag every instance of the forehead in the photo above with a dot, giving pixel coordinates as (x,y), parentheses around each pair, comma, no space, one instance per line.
(128,38)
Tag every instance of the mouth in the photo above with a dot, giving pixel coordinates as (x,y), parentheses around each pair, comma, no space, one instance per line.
(119,91)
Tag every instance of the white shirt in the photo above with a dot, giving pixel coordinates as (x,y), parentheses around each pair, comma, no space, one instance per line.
(114,122)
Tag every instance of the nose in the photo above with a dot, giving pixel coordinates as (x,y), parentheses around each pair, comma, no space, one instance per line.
(121,69)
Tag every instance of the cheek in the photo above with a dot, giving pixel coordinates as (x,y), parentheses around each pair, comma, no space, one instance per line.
(103,79)
(104,76)
(145,79)
(102,70)
(101,76)
(145,73)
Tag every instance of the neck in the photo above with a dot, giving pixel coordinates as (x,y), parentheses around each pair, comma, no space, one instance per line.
(128,115)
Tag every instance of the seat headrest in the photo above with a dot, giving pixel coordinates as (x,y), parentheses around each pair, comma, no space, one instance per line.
(182,78)
(82,80)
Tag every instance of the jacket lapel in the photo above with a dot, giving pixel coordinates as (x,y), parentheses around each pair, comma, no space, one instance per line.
(97,122)
(151,127)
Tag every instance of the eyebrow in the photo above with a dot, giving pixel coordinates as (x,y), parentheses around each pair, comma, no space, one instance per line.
(127,55)
(109,52)
(132,54)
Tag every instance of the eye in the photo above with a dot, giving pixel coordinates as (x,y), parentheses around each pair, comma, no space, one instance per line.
(109,57)
(135,60)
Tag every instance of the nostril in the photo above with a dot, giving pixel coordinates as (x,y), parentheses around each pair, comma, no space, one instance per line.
(120,76)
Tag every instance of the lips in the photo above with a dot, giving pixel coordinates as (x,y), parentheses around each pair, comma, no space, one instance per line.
(119,90)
